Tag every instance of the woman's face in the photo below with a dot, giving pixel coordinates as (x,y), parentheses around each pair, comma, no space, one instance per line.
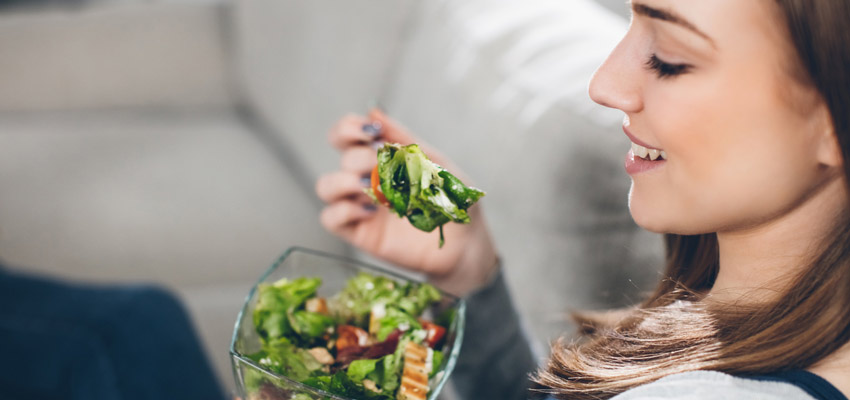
(709,85)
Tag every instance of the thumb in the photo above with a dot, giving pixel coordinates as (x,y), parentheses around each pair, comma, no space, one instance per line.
(391,131)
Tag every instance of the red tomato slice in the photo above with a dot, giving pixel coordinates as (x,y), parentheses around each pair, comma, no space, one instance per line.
(376,187)
(435,333)
(350,336)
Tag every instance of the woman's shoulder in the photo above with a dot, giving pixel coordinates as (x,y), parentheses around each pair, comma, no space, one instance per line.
(697,385)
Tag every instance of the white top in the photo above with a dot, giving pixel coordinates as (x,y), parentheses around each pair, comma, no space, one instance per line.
(703,385)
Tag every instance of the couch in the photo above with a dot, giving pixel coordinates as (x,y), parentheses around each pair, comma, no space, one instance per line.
(178,142)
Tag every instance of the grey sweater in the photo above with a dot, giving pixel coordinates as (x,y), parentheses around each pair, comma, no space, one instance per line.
(496,359)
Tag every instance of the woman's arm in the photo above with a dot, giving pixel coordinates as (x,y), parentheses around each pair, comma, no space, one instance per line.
(496,356)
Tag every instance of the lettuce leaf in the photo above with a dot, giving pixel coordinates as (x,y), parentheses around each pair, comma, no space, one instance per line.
(396,319)
(310,325)
(385,371)
(283,357)
(341,384)
(358,369)
(421,191)
(277,313)
(418,297)
(364,291)
(436,363)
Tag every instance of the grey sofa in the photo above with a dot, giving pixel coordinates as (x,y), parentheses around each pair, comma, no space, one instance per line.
(177,142)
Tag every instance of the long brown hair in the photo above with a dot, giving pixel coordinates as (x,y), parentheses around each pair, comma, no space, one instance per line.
(672,331)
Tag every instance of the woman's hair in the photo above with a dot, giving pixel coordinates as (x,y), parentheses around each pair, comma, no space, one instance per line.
(672,331)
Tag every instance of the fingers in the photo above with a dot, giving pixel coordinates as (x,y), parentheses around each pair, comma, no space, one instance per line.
(359,160)
(340,185)
(353,130)
(391,131)
(338,217)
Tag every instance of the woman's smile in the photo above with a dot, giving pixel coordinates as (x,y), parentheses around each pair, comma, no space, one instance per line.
(642,157)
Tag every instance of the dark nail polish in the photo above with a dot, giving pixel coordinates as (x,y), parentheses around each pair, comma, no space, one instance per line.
(373,128)
(370,207)
(366,181)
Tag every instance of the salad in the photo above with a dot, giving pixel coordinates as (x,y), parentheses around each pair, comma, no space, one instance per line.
(370,341)
(406,181)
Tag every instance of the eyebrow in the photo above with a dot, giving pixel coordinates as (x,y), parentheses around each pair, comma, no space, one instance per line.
(668,16)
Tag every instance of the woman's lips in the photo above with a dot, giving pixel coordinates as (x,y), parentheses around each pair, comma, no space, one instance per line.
(642,157)
(637,141)
(636,165)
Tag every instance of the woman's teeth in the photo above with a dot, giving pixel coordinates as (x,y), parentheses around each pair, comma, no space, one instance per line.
(648,154)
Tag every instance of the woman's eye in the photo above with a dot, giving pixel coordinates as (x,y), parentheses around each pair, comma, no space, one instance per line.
(664,69)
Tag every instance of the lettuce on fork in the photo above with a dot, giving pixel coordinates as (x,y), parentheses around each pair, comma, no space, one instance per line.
(420,190)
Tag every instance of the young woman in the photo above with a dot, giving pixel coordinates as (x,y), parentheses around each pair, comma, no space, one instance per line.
(738,115)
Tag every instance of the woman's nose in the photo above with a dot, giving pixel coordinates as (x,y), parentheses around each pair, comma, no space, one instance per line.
(617,83)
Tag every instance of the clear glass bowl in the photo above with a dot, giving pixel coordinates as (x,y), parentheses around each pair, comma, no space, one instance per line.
(334,272)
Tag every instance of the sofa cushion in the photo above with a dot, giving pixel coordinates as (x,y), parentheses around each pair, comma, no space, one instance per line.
(181,198)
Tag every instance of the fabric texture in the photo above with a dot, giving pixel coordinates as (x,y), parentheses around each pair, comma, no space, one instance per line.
(814,385)
(698,385)
(496,356)
(66,341)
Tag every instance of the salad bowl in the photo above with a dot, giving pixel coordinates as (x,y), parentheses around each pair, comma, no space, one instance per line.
(256,381)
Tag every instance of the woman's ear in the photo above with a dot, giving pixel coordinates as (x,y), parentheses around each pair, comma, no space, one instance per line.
(829,149)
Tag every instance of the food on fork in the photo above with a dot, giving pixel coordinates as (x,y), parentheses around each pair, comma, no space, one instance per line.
(407,182)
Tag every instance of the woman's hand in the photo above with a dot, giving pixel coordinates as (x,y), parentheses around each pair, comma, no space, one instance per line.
(462,265)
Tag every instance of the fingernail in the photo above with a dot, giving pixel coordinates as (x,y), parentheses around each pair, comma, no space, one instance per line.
(378,144)
(373,128)
(370,207)
(366,181)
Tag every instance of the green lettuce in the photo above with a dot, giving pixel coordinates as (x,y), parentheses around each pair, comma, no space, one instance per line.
(395,319)
(417,298)
(343,385)
(278,314)
(365,291)
(385,371)
(283,357)
(422,191)
(436,362)
(287,331)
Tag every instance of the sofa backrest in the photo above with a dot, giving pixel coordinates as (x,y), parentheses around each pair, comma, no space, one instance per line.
(164,55)
(302,64)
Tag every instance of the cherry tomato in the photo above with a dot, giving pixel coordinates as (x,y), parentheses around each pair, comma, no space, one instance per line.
(350,336)
(376,187)
(435,333)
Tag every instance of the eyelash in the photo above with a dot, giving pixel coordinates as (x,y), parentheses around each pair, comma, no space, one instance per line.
(665,70)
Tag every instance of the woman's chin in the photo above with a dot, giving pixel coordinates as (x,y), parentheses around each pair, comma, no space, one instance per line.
(665,224)
(656,222)
(645,217)
(652,226)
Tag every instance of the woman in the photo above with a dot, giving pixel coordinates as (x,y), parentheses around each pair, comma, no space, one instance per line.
(737,111)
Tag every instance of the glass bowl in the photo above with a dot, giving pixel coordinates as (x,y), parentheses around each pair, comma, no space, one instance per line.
(334,272)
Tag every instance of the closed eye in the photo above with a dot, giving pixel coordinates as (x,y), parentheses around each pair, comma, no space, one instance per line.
(665,69)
